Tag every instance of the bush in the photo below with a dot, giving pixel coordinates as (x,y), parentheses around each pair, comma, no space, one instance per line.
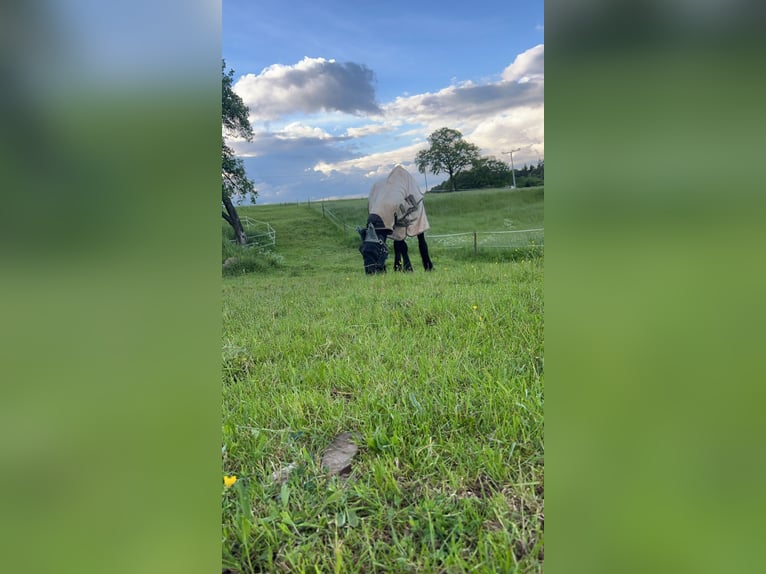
(237,259)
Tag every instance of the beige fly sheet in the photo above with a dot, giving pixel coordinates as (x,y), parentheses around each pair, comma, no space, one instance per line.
(398,201)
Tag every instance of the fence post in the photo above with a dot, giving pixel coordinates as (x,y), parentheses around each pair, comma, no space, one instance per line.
(475,248)
(323,209)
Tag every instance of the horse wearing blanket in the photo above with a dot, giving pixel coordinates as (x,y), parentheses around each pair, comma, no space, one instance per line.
(396,209)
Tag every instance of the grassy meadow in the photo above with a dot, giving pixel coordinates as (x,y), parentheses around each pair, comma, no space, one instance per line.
(439,376)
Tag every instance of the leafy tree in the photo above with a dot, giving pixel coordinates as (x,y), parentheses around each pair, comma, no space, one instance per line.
(489,172)
(234,180)
(448,152)
(531,176)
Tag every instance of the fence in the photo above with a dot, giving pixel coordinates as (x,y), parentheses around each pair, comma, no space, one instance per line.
(258,233)
(327,213)
(514,239)
(478,240)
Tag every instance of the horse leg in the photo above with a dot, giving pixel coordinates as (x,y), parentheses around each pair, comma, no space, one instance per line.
(397,255)
(400,251)
(423,247)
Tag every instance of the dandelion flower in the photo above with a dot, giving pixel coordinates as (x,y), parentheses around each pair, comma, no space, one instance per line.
(228,481)
(475,307)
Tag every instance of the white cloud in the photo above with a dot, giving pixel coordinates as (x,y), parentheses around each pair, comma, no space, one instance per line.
(311,140)
(311,85)
(368,130)
(297,130)
(521,128)
(496,116)
(374,164)
(527,66)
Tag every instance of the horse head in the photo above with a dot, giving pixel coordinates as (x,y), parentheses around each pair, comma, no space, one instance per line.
(373,250)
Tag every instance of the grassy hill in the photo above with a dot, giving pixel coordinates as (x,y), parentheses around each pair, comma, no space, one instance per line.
(308,241)
(481,209)
(438,376)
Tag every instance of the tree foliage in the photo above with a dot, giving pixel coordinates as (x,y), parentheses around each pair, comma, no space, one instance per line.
(487,172)
(530,176)
(448,152)
(491,172)
(234,180)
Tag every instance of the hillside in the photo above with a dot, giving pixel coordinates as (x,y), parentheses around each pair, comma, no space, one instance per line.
(305,240)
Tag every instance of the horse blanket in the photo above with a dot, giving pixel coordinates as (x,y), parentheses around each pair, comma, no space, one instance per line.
(398,202)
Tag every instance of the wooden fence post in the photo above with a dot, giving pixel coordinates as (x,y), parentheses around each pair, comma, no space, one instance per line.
(475,248)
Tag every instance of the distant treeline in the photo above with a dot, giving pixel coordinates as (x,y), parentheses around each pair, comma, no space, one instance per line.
(490,172)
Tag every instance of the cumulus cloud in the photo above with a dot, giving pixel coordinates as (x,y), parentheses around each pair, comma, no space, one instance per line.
(527,66)
(297,130)
(312,85)
(463,104)
(496,116)
(294,139)
(522,127)
(368,130)
(337,142)
(372,165)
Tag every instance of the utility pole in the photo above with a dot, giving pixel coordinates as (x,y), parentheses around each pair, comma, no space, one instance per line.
(513,171)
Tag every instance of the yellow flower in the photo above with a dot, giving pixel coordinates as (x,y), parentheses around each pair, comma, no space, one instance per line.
(475,307)
(228,481)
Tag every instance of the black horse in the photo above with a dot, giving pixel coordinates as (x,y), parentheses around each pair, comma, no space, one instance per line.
(396,210)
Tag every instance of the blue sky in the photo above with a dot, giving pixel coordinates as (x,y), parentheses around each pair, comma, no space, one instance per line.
(339,92)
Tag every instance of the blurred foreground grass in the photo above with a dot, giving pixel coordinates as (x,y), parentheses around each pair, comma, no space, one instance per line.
(654,240)
(110,291)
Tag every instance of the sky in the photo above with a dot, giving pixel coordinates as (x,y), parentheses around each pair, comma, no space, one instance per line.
(340,92)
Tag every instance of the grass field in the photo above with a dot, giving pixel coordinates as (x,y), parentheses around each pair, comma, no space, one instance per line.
(439,376)
(483,209)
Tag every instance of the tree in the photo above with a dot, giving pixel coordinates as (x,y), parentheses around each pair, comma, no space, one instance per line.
(234,180)
(489,172)
(484,172)
(449,153)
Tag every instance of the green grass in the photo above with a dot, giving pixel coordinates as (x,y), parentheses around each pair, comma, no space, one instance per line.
(314,243)
(481,209)
(439,374)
